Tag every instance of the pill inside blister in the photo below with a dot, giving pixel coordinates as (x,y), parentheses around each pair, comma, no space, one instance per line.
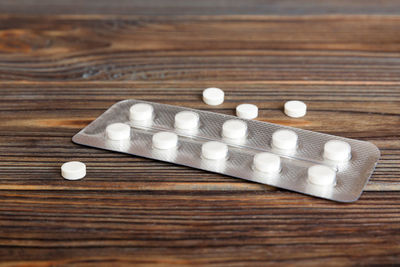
(267,162)
(165,140)
(118,131)
(186,120)
(141,112)
(321,175)
(214,150)
(284,140)
(337,150)
(234,129)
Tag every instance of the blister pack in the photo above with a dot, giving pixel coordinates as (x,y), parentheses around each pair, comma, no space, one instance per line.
(312,163)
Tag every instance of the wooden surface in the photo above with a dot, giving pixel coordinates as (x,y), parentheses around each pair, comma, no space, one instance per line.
(60,72)
(203,7)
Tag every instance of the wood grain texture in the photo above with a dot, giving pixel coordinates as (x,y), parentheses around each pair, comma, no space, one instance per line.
(203,7)
(58,73)
(84,48)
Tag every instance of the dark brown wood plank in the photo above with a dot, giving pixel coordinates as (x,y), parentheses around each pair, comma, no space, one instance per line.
(203,7)
(240,48)
(225,228)
(60,72)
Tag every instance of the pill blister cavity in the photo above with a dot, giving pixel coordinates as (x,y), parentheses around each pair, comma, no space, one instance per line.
(267,162)
(73,170)
(337,150)
(284,140)
(141,112)
(165,140)
(165,154)
(295,109)
(247,111)
(213,96)
(118,131)
(321,175)
(214,150)
(234,129)
(187,120)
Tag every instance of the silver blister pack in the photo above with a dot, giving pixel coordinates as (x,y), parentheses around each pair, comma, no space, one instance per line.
(351,175)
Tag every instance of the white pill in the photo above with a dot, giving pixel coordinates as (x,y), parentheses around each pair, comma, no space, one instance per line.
(186,120)
(214,150)
(267,162)
(73,170)
(321,175)
(141,112)
(234,129)
(337,150)
(118,131)
(213,96)
(284,139)
(247,111)
(165,140)
(295,109)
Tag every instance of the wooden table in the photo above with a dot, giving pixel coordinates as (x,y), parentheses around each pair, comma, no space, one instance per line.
(59,71)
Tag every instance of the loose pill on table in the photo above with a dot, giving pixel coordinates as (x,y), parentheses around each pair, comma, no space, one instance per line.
(118,131)
(73,170)
(295,109)
(234,129)
(337,150)
(267,162)
(186,120)
(165,140)
(213,96)
(284,139)
(214,150)
(141,112)
(247,111)
(321,175)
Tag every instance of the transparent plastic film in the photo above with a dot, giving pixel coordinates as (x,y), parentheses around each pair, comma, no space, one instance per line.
(312,163)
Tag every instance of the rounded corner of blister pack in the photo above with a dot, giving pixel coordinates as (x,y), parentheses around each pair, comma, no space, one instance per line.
(75,138)
(376,150)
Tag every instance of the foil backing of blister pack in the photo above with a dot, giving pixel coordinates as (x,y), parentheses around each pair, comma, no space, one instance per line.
(351,176)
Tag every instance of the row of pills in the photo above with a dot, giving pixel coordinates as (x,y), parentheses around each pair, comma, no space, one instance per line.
(213,150)
(263,162)
(334,150)
(269,163)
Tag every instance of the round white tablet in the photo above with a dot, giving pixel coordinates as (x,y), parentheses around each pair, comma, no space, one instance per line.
(247,111)
(321,175)
(284,139)
(214,150)
(165,140)
(213,96)
(73,170)
(267,162)
(295,109)
(234,129)
(186,120)
(141,112)
(337,150)
(118,131)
